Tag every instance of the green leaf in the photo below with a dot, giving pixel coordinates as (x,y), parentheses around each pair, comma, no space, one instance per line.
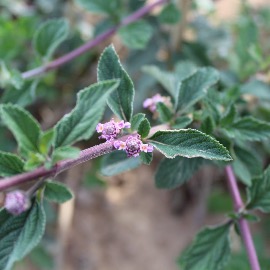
(182,122)
(24,127)
(100,6)
(208,125)
(144,128)
(49,36)
(164,113)
(20,234)
(146,158)
(118,162)
(170,14)
(259,193)
(46,141)
(248,128)
(136,120)
(173,173)
(121,100)
(10,164)
(65,152)
(188,143)
(136,35)
(10,77)
(195,87)
(81,122)
(228,117)
(34,160)
(209,251)
(57,192)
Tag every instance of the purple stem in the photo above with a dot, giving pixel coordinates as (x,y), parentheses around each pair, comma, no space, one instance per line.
(244,228)
(90,44)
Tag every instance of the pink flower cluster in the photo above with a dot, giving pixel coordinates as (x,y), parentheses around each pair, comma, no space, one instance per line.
(16,202)
(110,130)
(151,103)
(133,146)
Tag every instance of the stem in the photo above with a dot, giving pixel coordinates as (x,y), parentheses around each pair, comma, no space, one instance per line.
(244,228)
(90,44)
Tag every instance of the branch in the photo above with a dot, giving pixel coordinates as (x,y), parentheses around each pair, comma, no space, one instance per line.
(92,43)
(244,228)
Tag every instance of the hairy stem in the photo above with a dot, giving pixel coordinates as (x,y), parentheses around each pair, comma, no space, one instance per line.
(243,224)
(90,44)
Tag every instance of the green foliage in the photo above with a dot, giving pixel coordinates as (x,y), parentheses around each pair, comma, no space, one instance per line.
(208,125)
(57,192)
(248,128)
(10,164)
(195,87)
(34,160)
(46,141)
(173,173)
(164,113)
(259,193)
(64,152)
(49,36)
(121,100)
(146,158)
(209,251)
(20,234)
(24,127)
(182,122)
(136,120)
(170,14)
(117,162)
(10,77)
(81,122)
(144,128)
(188,143)
(136,35)
(228,117)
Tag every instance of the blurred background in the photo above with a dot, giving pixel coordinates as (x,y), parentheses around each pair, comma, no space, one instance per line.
(124,222)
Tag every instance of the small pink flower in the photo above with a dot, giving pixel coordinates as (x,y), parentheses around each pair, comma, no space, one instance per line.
(127,125)
(147,103)
(144,148)
(150,148)
(119,145)
(150,103)
(17,202)
(99,128)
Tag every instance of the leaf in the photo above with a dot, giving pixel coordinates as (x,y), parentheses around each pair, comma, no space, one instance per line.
(20,234)
(57,192)
(136,35)
(208,125)
(118,162)
(146,158)
(170,14)
(195,87)
(188,143)
(121,100)
(100,6)
(136,120)
(248,128)
(209,251)
(144,128)
(81,122)
(173,173)
(23,125)
(65,152)
(228,117)
(46,141)
(10,164)
(164,113)
(182,122)
(259,193)
(49,36)
(34,160)
(10,77)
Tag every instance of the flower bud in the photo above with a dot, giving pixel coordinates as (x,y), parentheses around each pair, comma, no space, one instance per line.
(17,202)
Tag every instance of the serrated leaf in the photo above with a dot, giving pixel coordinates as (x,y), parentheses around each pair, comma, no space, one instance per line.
(10,164)
(229,116)
(170,14)
(248,128)
(172,173)
(259,193)
(195,87)
(118,162)
(65,152)
(209,251)
(100,6)
(121,100)
(144,128)
(20,234)
(49,36)
(146,158)
(188,143)
(182,122)
(57,192)
(136,120)
(164,113)
(136,35)
(81,122)
(24,127)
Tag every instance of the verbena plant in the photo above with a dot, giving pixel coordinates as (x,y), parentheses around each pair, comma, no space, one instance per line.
(198,120)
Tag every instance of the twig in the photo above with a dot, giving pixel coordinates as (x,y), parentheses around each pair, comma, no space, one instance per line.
(92,43)
(244,228)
